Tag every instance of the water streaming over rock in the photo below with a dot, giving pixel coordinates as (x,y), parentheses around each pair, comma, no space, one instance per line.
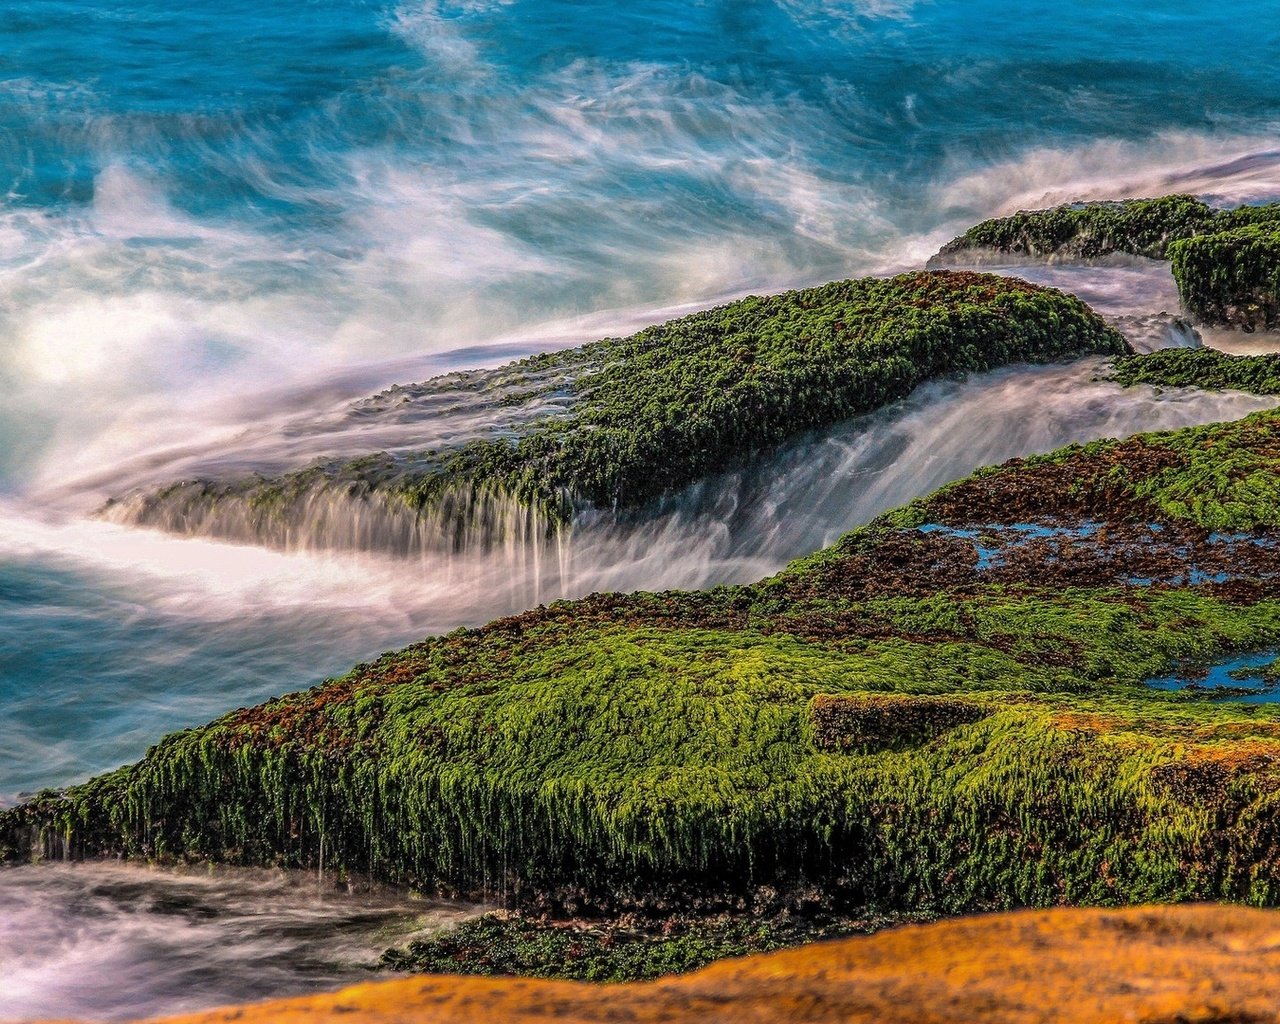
(223,228)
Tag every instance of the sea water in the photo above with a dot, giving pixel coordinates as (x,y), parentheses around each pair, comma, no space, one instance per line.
(218,220)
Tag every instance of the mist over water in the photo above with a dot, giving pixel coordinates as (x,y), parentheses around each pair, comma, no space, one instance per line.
(117,942)
(222,225)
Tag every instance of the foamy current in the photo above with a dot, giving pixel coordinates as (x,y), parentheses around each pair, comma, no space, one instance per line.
(222,227)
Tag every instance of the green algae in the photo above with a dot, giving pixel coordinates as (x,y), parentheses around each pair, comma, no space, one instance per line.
(610,951)
(1083,231)
(1137,227)
(1204,368)
(656,749)
(1231,277)
(647,414)
(1226,262)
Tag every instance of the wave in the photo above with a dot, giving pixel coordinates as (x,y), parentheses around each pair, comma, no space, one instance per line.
(1224,169)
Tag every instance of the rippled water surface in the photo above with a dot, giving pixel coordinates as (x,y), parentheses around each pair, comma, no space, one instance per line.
(221,224)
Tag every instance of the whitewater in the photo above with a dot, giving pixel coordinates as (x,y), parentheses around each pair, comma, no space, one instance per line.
(222,227)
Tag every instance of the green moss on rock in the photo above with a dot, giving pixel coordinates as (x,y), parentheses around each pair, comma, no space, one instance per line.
(1231,277)
(611,951)
(1201,368)
(659,749)
(1083,231)
(660,409)
(1206,478)
(1226,262)
(867,722)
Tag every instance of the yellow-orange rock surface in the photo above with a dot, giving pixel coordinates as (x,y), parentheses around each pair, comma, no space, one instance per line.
(1190,965)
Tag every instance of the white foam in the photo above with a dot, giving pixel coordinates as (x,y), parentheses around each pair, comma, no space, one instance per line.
(114,942)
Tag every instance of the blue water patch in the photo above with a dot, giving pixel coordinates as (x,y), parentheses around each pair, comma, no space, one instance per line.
(1245,678)
(200,91)
(994,542)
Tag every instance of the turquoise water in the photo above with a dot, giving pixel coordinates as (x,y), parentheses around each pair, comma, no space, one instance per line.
(1247,678)
(220,214)
(217,219)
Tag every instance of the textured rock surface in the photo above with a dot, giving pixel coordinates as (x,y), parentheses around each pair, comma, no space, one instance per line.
(1157,965)
(1226,262)
(620,422)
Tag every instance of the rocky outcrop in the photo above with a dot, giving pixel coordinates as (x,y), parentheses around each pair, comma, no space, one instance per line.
(1226,262)
(613,425)
(1160,965)
(649,750)
(1201,368)
(1231,278)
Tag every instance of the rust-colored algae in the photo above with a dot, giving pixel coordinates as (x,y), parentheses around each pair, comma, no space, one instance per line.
(1155,965)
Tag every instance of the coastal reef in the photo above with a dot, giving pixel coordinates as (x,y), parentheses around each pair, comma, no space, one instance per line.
(621,422)
(945,711)
(1226,262)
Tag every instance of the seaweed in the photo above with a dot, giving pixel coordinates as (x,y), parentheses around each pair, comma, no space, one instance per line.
(626,949)
(1204,368)
(944,711)
(653,412)
(1083,231)
(1226,262)
(1231,277)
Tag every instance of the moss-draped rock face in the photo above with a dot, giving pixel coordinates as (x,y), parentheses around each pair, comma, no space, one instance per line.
(630,419)
(1226,262)
(655,750)
(1231,277)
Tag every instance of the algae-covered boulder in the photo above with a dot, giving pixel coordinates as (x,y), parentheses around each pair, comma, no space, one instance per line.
(617,423)
(1089,231)
(1231,277)
(661,749)
(1085,231)
(1226,262)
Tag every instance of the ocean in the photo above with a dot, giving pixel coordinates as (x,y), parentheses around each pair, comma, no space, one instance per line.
(222,223)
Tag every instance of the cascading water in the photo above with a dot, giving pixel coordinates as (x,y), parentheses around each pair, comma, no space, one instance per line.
(221,228)
(368,503)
